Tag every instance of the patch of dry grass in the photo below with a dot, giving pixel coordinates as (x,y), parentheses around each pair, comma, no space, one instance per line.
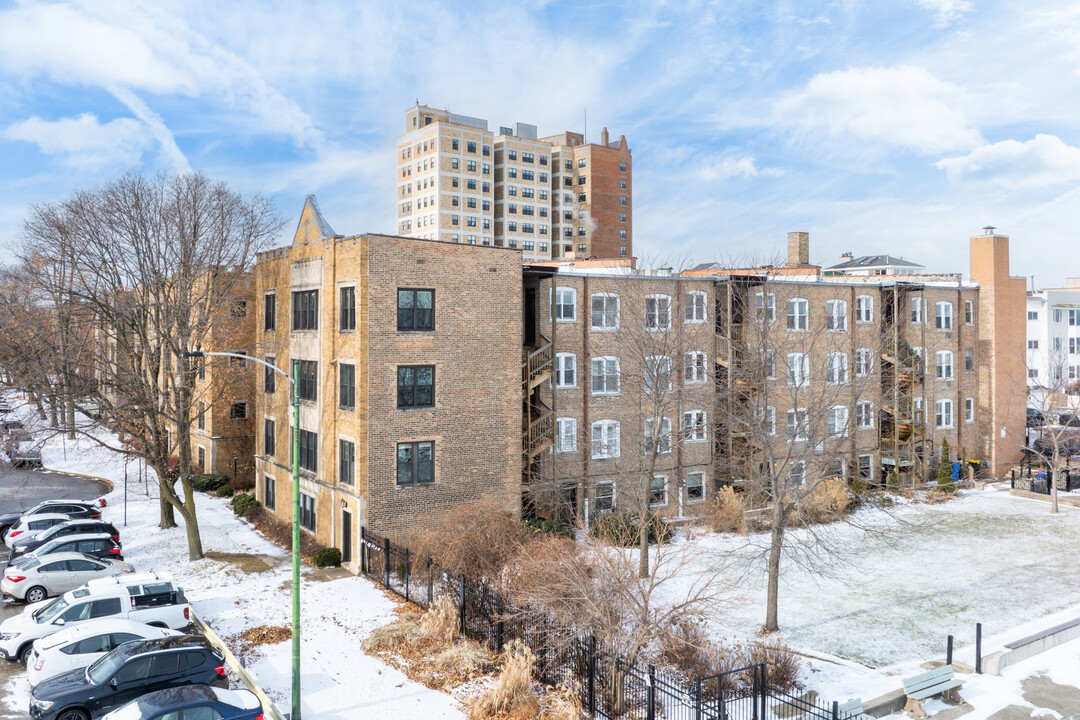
(243,561)
(511,696)
(392,636)
(727,512)
(440,621)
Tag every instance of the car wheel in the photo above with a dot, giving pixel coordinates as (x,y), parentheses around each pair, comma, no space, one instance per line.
(73,714)
(36,594)
(24,653)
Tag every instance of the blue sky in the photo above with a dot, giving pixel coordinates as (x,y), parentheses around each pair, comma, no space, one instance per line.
(899,126)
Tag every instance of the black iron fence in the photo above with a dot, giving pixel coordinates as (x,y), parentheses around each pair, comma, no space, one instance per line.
(609,687)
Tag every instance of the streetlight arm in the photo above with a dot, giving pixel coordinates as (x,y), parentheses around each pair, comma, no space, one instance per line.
(201,354)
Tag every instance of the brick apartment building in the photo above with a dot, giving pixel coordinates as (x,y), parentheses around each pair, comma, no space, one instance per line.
(549,197)
(409,358)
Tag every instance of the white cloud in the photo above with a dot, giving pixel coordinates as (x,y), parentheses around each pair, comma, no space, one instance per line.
(902,106)
(728,167)
(84,142)
(1043,160)
(946,12)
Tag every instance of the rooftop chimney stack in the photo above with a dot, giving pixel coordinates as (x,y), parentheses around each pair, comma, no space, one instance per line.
(798,249)
(604,137)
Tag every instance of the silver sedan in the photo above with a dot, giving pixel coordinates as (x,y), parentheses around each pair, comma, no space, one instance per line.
(33,580)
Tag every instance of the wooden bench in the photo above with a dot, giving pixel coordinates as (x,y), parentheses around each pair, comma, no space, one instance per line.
(852,710)
(939,681)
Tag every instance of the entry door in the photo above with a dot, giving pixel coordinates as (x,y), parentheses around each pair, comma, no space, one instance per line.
(529,307)
(346,536)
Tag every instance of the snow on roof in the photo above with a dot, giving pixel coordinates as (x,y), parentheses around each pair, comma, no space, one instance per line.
(869,261)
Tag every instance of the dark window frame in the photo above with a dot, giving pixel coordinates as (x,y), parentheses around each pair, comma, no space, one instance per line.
(346,392)
(270,312)
(269,492)
(346,462)
(419,472)
(307,511)
(307,383)
(413,322)
(269,436)
(305,310)
(309,450)
(269,376)
(347,319)
(413,387)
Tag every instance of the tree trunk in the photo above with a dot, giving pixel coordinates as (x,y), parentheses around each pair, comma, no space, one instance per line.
(643,546)
(54,416)
(1050,478)
(168,517)
(191,523)
(38,405)
(70,419)
(775,546)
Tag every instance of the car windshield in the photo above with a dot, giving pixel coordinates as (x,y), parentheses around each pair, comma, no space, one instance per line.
(50,611)
(100,672)
(27,562)
(132,711)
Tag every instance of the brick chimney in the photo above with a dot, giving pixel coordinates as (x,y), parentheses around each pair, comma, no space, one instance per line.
(604,137)
(798,249)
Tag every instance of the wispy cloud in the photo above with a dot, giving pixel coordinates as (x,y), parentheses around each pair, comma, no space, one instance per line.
(946,12)
(1044,160)
(83,141)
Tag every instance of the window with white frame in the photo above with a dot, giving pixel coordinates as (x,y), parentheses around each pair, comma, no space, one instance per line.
(657,436)
(866,466)
(1059,315)
(565,370)
(969,312)
(693,425)
(798,369)
(695,486)
(657,312)
(916,311)
(798,314)
(864,362)
(605,375)
(768,359)
(605,312)
(944,417)
(605,439)
(797,474)
(605,496)
(837,366)
(768,420)
(864,309)
(765,306)
(969,409)
(944,360)
(1033,373)
(694,307)
(918,404)
(565,304)
(864,414)
(943,316)
(1033,314)
(836,419)
(566,435)
(798,427)
(658,373)
(658,490)
(694,367)
(836,315)
(1033,344)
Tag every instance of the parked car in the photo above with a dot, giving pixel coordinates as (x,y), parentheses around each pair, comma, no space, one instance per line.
(99,545)
(191,702)
(1035,418)
(22,545)
(9,425)
(71,508)
(1069,420)
(82,645)
(31,526)
(143,597)
(34,579)
(25,453)
(126,673)
(5,407)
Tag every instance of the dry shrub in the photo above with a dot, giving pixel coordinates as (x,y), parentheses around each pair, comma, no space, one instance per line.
(465,656)
(782,664)
(562,703)
(280,533)
(826,501)
(440,621)
(687,648)
(392,636)
(727,512)
(476,540)
(266,635)
(511,695)
(933,497)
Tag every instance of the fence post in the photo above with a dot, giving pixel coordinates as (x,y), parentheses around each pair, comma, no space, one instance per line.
(948,651)
(386,561)
(650,694)
(978,648)
(835,710)
(1012,478)
(499,624)
(592,675)
(764,689)
(408,574)
(697,701)
(430,584)
(461,605)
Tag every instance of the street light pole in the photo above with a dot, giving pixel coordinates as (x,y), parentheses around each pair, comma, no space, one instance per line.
(295,390)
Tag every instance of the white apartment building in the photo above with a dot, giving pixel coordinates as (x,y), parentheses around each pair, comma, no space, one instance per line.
(1053,345)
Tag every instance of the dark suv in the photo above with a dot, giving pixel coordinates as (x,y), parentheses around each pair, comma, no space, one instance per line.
(71,527)
(72,508)
(129,671)
(99,545)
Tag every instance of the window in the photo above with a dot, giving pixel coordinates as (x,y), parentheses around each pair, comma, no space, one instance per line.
(238,411)
(916,311)
(307,511)
(622,200)
(944,414)
(969,409)
(454,144)
(765,306)
(622,183)
(309,450)
(202,459)
(348,308)
(797,310)
(837,366)
(305,310)
(1074,346)
(605,375)
(658,442)
(415,386)
(565,370)
(864,362)
(768,420)
(1058,315)
(694,364)
(416,463)
(470,165)
(864,309)
(200,419)
(415,309)
(836,419)
(797,428)
(1033,344)
(470,146)
(269,376)
(658,491)
(605,312)
(969,312)
(565,304)
(605,439)
(694,307)
(797,473)
(944,365)
(866,466)
(969,360)
(943,316)
(768,359)
(864,414)
(581,197)
(1033,315)
(1057,344)
(346,462)
(566,435)
(1033,374)
(269,312)
(308,386)
(605,496)
(695,486)
(657,373)
(657,312)
(581,180)
(798,366)
(347,385)
(836,315)
(269,436)
(693,425)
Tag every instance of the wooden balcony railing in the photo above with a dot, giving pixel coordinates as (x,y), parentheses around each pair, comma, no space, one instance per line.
(537,364)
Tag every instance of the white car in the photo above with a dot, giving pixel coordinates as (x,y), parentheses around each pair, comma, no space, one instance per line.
(34,579)
(79,646)
(30,525)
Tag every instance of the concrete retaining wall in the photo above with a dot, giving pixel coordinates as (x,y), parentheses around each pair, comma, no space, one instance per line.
(1031,645)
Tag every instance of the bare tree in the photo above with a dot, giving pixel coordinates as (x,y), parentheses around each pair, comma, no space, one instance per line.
(1054,439)
(154,261)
